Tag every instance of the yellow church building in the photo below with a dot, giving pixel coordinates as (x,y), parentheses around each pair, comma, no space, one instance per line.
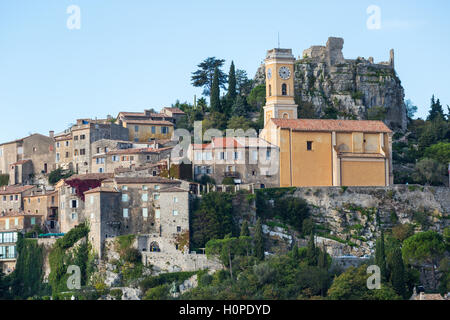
(315,152)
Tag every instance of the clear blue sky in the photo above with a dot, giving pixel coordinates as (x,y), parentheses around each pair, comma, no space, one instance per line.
(131,55)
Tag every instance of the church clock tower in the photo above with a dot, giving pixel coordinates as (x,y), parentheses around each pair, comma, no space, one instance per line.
(279,65)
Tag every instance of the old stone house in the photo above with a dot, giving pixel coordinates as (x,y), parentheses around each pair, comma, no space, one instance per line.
(126,158)
(146,126)
(45,203)
(11,197)
(37,148)
(245,159)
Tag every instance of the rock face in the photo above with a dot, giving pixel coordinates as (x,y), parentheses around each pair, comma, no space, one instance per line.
(352,88)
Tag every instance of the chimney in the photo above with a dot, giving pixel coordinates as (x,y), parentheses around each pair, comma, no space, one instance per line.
(51,134)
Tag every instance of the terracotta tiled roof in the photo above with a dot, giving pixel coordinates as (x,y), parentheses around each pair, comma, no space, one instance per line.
(427,296)
(14,189)
(226,143)
(102,189)
(151,179)
(332,125)
(150,122)
(91,176)
(173,189)
(202,146)
(21,162)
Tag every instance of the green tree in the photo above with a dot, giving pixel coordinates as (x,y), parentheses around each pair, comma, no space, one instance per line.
(424,248)
(257,97)
(397,271)
(411,109)
(239,108)
(231,94)
(305,109)
(245,232)
(213,219)
(259,240)
(311,253)
(227,249)
(204,75)
(215,93)
(239,122)
(380,255)
(59,174)
(436,110)
(352,285)
(243,83)
(430,172)
(439,152)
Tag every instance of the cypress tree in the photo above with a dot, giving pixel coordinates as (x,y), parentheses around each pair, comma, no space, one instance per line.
(398,272)
(436,110)
(380,255)
(311,254)
(244,229)
(259,240)
(215,92)
(295,253)
(323,259)
(231,95)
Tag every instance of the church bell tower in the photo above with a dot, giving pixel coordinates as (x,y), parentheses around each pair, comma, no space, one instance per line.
(279,68)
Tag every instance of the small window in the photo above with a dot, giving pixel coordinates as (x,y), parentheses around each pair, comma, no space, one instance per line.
(156,196)
(74,215)
(124,197)
(144,188)
(309,145)
(136,128)
(156,187)
(175,212)
(145,212)
(92,199)
(144,197)
(125,212)
(178,229)
(157,214)
(153,129)
(33,221)
(284,89)
(82,137)
(74,204)
(124,188)
(175,200)
(270,90)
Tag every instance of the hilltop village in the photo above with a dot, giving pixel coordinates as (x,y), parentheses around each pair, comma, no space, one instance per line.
(125,177)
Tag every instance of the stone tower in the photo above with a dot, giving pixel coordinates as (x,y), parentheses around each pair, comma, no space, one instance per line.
(279,69)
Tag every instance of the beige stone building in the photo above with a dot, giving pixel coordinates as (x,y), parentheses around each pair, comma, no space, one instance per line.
(11,197)
(37,148)
(247,160)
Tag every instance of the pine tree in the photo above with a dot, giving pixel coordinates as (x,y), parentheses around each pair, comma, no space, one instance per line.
(239,109)
(311,254)
(398,272)
(436,110)
(215,93)
(259,240)
(380,256)
(244,229)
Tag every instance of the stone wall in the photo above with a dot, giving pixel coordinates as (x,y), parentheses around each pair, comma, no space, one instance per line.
(346,217)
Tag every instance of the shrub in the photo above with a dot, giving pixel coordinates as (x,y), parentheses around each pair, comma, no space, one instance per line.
(158,293)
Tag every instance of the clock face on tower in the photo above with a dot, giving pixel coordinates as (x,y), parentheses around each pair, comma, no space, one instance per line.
(284,73)
(269,74)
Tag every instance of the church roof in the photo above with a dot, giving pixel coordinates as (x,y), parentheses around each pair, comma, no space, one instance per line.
(369,126)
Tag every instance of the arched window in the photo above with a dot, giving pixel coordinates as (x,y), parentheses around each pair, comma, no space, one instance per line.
(285,115)
(284,89)
(270,90)
(154,247)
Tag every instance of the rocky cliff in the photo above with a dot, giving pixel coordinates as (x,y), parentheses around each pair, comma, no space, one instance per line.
(326,83)
(349,219)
